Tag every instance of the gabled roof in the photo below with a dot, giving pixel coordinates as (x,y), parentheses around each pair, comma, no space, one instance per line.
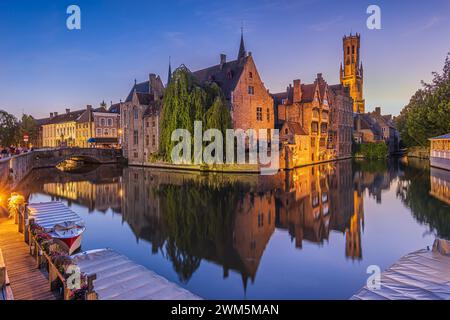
(226,76)
(296,128)
(139,87)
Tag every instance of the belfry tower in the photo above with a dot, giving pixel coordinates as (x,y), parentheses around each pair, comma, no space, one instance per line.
(352,73)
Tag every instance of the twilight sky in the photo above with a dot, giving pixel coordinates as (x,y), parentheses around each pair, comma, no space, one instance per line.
(45,67)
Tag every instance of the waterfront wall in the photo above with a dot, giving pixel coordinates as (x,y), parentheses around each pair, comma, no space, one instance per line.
(14,169)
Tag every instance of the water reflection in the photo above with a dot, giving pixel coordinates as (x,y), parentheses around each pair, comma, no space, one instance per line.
(229,220)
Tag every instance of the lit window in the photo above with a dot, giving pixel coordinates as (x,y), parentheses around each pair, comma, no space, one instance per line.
(259,113)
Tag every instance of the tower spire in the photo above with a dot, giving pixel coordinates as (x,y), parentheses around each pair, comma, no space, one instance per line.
(169,75)
(242,52)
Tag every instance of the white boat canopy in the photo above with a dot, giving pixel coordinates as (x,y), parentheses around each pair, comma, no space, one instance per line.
(420,275)
(50,214)
(118,278)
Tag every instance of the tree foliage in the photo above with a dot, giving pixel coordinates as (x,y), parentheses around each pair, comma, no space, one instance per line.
(28,126)
(8,129)
(186,101)
(428,112)
(372,150)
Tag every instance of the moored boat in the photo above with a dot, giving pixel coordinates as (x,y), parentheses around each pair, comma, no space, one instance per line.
(61,223)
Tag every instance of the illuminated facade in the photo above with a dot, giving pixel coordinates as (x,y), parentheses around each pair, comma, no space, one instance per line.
(351,74)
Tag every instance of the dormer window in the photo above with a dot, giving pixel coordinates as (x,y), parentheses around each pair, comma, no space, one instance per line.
(325,102)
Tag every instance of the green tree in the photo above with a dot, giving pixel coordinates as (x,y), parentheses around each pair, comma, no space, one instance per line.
(28,126)
(8,129)
(428,112)
(185,101)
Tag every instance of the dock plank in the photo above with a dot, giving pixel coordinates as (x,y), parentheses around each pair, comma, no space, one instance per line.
(27,282)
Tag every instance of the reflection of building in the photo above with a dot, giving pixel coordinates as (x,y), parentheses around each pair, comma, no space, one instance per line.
(353,247)
(154,205)
(99,196)
(319,199)
(305,206)
(253,226)
(440,184)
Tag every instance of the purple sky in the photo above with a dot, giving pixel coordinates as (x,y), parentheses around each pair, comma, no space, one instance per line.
(44,67)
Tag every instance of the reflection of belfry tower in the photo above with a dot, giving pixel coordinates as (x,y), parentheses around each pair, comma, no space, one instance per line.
(353,232)
(351,74)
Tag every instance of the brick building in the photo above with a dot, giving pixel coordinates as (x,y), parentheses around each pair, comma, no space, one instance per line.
(352,75)
(140,120)
(340,135)
(307,105)
(251,106)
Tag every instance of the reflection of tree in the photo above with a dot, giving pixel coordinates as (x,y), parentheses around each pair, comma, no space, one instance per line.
(413,189)
(199,222)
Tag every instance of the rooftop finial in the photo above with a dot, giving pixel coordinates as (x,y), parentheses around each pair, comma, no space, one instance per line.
(242,52)
(169,74)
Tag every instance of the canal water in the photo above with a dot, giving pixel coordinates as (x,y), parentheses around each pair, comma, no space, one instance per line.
(305,234)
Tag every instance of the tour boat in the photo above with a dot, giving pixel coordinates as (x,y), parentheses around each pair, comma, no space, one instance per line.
(61,223)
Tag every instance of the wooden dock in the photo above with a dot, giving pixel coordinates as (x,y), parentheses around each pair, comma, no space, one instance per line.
(27,281)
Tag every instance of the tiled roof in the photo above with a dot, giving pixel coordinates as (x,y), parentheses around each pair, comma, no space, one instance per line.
(41,122)
(308,91)
(296,128)
(140,87)
(225,76)
(66,117)
(115,108)
(444,136)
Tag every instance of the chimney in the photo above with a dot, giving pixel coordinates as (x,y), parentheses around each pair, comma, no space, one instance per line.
(297,91)
(51,114)
(319,76)
(378,111)
(67,110)
(89,107)
(223,60)
(151,82)
(358,123)
(55,113)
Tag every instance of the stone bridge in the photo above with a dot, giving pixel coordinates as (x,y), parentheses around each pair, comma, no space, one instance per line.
(51,157)
(14,169)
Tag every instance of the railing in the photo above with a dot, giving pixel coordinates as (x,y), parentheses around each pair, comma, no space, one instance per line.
(443,154)
(55,277)
(5,288)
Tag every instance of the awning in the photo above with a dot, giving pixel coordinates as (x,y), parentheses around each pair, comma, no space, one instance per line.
(103,140)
